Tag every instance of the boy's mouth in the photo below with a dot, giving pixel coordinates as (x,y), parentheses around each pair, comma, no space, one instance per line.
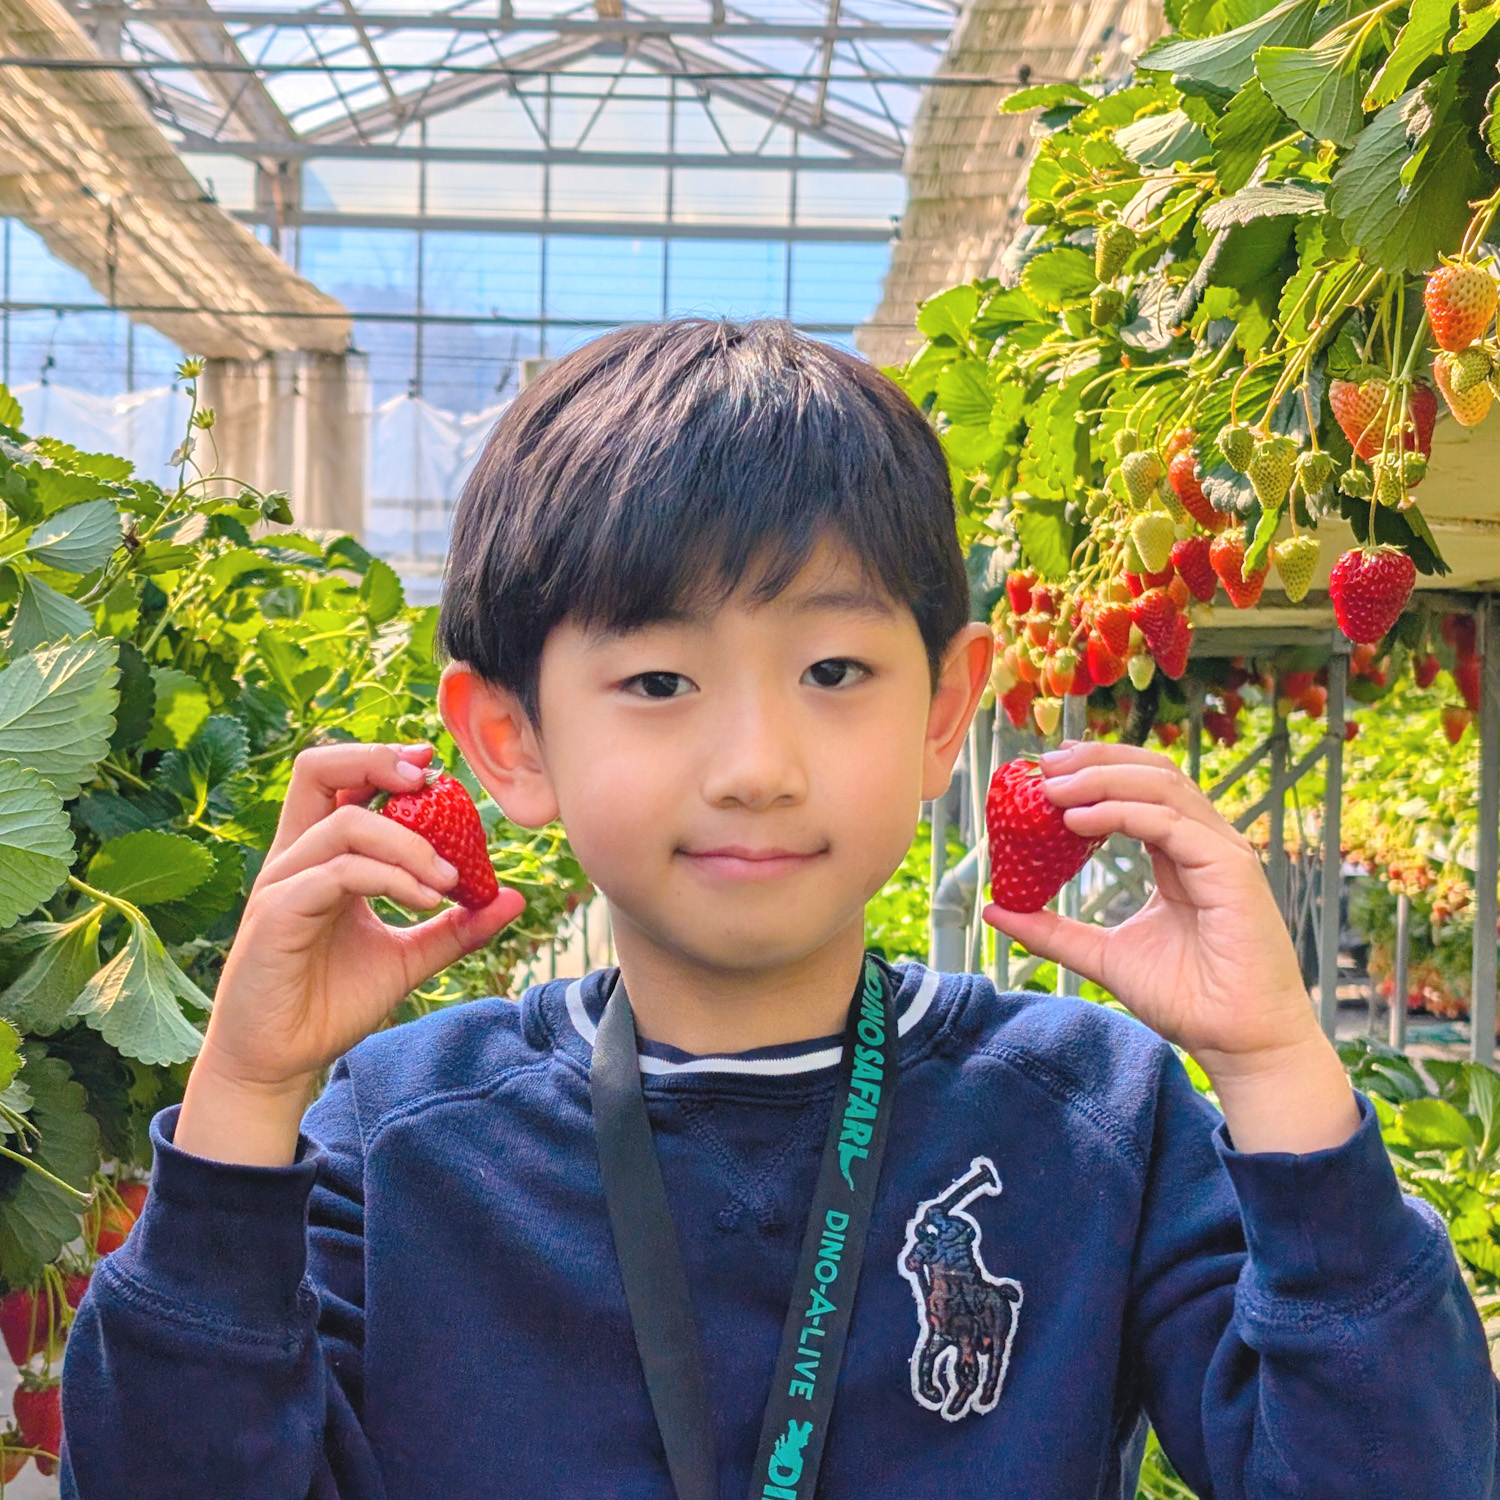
(741,862)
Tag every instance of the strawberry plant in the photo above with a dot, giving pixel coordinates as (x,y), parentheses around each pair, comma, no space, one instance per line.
(164,655)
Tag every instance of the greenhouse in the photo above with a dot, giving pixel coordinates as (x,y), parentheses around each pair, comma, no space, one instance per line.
(664,663)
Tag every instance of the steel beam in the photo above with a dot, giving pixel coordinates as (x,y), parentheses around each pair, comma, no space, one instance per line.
(1487,854)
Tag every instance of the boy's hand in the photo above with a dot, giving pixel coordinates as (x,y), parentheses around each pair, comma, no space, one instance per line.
(1206,962)
(313,970)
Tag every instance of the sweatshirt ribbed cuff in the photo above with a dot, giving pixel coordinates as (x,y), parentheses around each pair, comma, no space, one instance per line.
(1330,1225)
(224,1243)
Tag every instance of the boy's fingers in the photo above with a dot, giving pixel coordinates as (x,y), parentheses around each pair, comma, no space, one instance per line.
(1077,945)
(1181,838)
(432,945)
(330,776)
(357,830)
(1150,782)
(320,887)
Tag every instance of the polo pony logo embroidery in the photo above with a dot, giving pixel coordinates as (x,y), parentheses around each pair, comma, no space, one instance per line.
(967,1317)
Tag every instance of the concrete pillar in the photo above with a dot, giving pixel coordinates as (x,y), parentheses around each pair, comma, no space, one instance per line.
(295,421)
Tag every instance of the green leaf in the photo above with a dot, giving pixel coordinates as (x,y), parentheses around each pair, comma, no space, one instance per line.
(1402,227)
(10,409)
(108,466)
(1161,140)
(285,661)
(150,866)
(78,539)
(36,1218)
(180,921)
(137,705)
(1045,535)
(36,846)
(134,1002)
(57,488)
(1044,96)
(56,711)
(1001,310)
(949,314)
(1434,1123)
(964,395)
(1319,87)
(40,997)
(218,752)
(1227,61)
(1059,277)
(181,708)
(10,1054)
(381,591)
(43,615)
(1426,29)
(1475,27)
(345,551)
(1262,200)
(1249,124)
(1265,531)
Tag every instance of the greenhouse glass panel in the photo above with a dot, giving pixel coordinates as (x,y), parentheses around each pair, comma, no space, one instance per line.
(498,121)
(228,180)
(487,275)
(562,341)
(849,200)
(470,366)
(838,284)
(726,278)
(717,125)
(701,195)
(346,184)
(600,279)
(484,189)
(580,192)
(392,354)
(369,270)
(34,274)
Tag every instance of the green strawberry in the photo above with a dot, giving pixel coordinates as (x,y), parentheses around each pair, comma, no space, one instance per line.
(1174,507)
(1127,440)
(1355,482)
(1153,535)
(1271,467)
(1314,469)
(1142,669)
(1413,469)
(1295,558)
(1387,482)
(1141,472)
(1105,306)
(1468,369)
(1113,243)
(1237,444)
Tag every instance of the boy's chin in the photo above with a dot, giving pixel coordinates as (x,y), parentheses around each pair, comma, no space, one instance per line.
(748,947)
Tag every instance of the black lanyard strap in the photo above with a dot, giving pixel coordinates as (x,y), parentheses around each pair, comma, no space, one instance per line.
(795,1426)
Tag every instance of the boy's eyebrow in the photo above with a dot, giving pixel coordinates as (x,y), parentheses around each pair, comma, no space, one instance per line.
(860,601)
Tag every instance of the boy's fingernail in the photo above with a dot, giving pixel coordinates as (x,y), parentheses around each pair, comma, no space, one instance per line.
(408,772)
(445,871)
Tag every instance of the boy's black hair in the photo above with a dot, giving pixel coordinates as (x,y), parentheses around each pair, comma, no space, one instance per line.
(650,470)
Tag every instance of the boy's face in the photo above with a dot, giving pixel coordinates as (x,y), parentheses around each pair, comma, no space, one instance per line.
(739,784)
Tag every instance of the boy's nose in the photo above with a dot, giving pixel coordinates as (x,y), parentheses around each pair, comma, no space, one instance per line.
(755,762)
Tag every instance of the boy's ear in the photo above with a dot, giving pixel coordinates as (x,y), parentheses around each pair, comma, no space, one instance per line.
(499,743)
(962,680)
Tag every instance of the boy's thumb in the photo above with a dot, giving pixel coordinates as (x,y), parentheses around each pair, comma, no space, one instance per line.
(445,938)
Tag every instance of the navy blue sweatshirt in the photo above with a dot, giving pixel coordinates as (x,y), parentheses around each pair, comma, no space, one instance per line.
(426,1305)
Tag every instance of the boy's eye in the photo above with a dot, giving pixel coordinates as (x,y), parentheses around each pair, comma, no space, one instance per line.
(836,671)
(658,684)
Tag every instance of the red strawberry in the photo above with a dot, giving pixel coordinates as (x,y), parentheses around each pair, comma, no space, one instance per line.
(1167,734)
(1183,476)
(1106,666)
(38,1410)
(1135,583)
(1422,405)
(1466,678)
(1184,437)
(105,1226)
(1351,728)
(133,1196)
(445,815)
(24,1322)
(1455,721)
(1425,669)
(1359,409)
(1294,684)
(1057,675)
(1112,621)
(1028,668)
(1460,632)
(1220,727)
(12,1456)
(1152,614)
(1083,683)
(1190,558)
(1460,303)
(1018,587)
(1369,588)
(1017,703)
(1314,702)
(1173,657)
(1227,554)
(1033,853)
(75,1284)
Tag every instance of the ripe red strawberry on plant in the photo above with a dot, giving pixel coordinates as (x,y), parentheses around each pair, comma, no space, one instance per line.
(1190,558)
(38,1409)
(1369,588)
(1112,621)
(1183,476)
(24,1322)
(1466,678)
(444,814)
(1359,409)
(1017,703)
(1424,669)
(1227,554)
(106,1225)
(1152,614)
(1455,721)
(1106,666)
(1173,656)
(1018,587)
(1460,301)
(1033,853)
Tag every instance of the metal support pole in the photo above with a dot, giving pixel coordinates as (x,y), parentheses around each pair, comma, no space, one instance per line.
(1333,854)
(1487,855)
(1075,726)
(1195,734)
(1400,978)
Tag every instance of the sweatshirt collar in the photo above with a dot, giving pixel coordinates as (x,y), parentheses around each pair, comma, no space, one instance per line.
(583,1004)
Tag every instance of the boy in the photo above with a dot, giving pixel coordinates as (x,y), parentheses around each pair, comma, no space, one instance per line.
(706,604)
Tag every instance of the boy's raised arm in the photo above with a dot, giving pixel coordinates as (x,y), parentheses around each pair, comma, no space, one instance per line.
(1343,1356)
(219,1352)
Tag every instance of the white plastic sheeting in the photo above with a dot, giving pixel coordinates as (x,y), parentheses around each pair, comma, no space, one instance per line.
(418,459)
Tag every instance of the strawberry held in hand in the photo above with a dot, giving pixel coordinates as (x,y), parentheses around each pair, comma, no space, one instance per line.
(1033,853)
(444,814)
